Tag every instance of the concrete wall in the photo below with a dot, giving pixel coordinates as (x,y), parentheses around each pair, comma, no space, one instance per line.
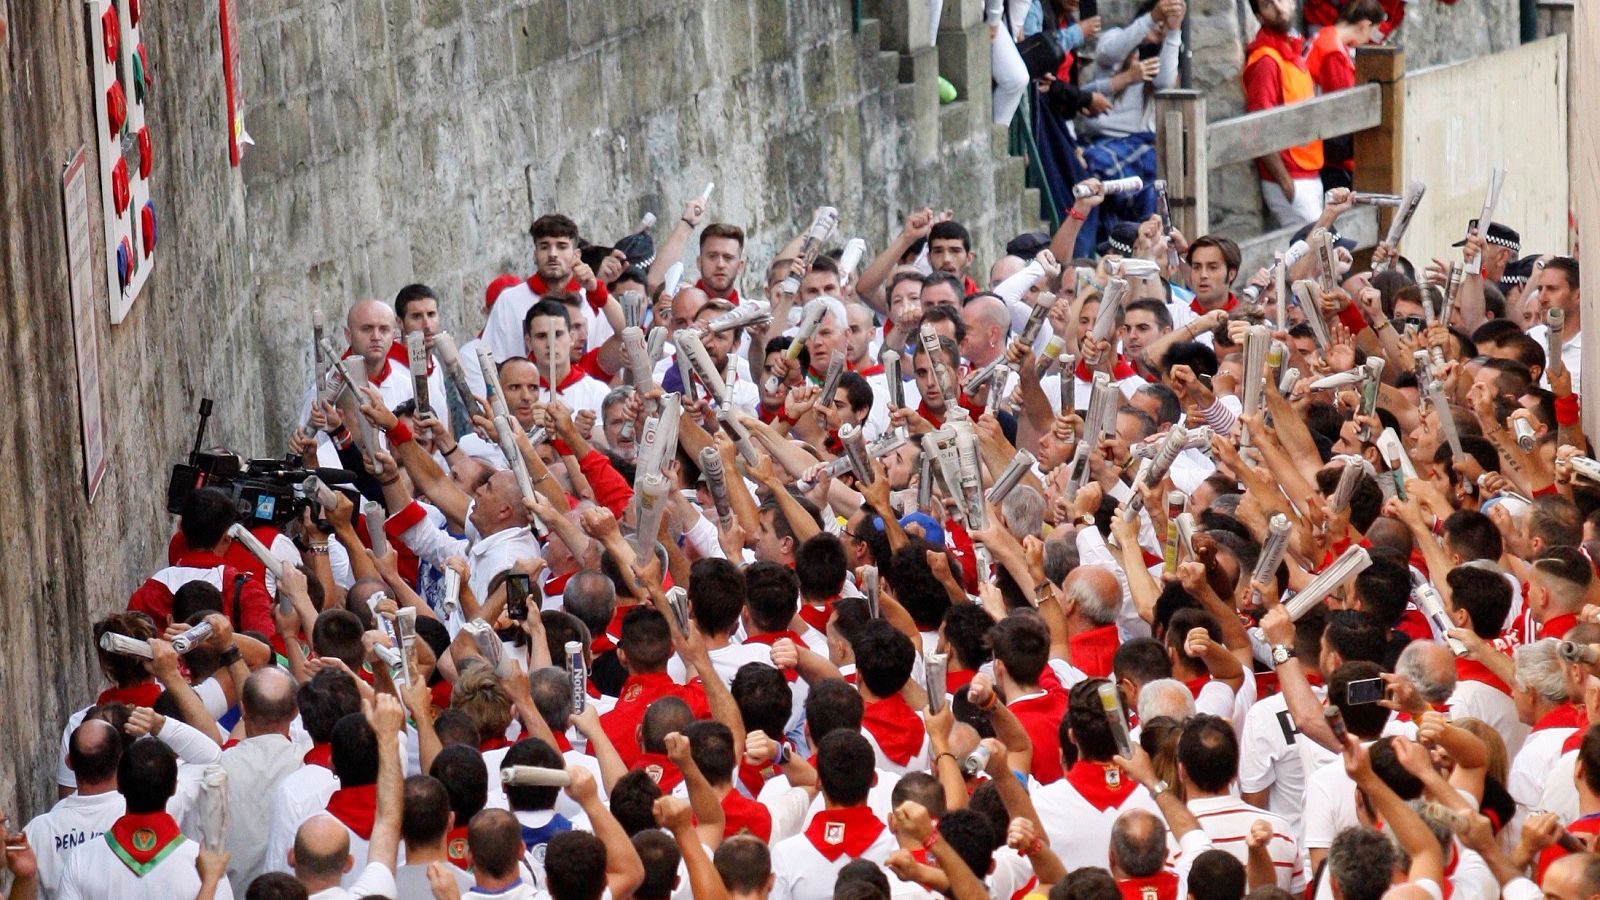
(1527,85)
(399,140)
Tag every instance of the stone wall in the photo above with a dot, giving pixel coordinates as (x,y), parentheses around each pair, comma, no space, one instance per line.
(400,140)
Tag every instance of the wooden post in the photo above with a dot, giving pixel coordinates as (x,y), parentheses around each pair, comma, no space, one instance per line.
(1585,181)
(1181,158)
(1380,151)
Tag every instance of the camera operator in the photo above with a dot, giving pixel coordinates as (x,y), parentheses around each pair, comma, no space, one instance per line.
(206,517)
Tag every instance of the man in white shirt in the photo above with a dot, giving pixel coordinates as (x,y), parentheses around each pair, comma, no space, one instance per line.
(1558,289)
(321,855)
(93,753)
(555,255)
(807,864)
(716,598)
(258,764)
(329,696)
(143,854)
(548,333)
(1271,775)
(1208,760)
(425,827)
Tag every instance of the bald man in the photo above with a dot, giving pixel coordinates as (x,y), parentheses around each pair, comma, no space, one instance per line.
(370,331)
(1093,598)
(988,324)
(258,763)
(1575,876)
(321,854)
(93,752)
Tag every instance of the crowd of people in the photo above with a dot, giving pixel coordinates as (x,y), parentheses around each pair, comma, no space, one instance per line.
(1130,575)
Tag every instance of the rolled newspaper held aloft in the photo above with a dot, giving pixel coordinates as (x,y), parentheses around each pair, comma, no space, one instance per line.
(444,347)
(1036,317)
(748,312)
(1366,198)
(971,481)
(1431,602)
(121,644)
(1348,477)
(579,676)
(1186,528)
(374,515)
(1105,321)
(1130,185)
(855,450)
(1395,457)
(450,600)
(241,534)
(1272,552)
(869,588)
(1308,295)
(534,776)
(931,346)
(728,418)
(1491,199)
(678,605)
(1555,322)
(854,249)
(1175,504)
(717,483)
(1523,430)
(1019,466)
(937,671)
(671,280)
(830,379)
(633,306)
(823,222)
(1349,564)
(705,195)
(892,379)
(1111,702)
(491,381)
(193,637)
(1401,221)
(488,644)
(1327,267)
(653,490)
(417,361)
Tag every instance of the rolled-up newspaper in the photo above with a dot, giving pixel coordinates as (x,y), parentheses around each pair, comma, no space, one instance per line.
(191,638)
(1579,654)
(1105,321)
(937,671)
(854,249)
(633,306)
(534,776)
(444,347)
(1401,221)
(488,644)
(693,349)
(705,195)
(1286,383)
(121,644)
(241,534)
(640,370)
(655,343)
(971,482)
(1348,477)
(417,361)
(1186,529)
(1452,292)
(1308,296)
(1257,344)
(869,588)
(1555,322)
(1335,720)
(925,474)
(653,490)
(660,443)
(1272,551)
(1068,386)
(579,676)
(1366,198)
(1327,267)
(212,805)
(315,489)
(728,418)
(680,360)
(1431,602)
(1019,466)
(672,280)
(1350,563)
(823,222)
(1100,399)
(1395,457)
(855,450)
(1369,395)
(1522,429)
(1175,503)
(1130,185)
(678,605)
(748,312)
(1111,702)
(1491,199)
(1036,317)
(999,399)
(1280,283)
(717,484)
(830,379)
(978,378)
(491,381)
(1586,466)
(892,378)
(450,599)
(374,515)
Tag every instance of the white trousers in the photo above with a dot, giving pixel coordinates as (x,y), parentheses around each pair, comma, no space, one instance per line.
(1010,76)
(1306,205)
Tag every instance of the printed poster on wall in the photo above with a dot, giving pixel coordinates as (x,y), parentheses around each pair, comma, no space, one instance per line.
(80,284)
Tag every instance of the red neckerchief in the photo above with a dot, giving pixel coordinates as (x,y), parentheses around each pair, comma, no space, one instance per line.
(869,371)
(744,814)
(1119,370)
(1559,626)
(968,285)
(896,727)
(844,832)
(1196,685)
(660,769)
(1225,307)
(606,641)
(142,694)
(766,415)
(1102,785)
(772,637)
(1161,886)
(1472,670)
(574,375)
(455,847)
(733,293)
(540,287)
(383,374)
(817,615)
(1091,651)
(398,353)
(494,743)
(356,807)
(645,688)
(1585,825)
(1575,739)
(1291,48)
(935,420)
(562,744)
(143,840)
(1567,715)
(956,679)
(319,755)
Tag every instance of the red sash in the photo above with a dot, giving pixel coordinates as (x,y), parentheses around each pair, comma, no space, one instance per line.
(896,727)
(356,807)
(142,841)
(1102,785)
(844,832)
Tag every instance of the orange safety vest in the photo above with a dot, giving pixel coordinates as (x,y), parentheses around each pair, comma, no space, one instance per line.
(1297,86)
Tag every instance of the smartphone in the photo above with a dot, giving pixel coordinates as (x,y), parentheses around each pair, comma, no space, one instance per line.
(518,586)
(1367,690)
(1149,51)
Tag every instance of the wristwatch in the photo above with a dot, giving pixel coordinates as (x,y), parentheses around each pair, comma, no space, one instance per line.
(1159,788)
(1281,653)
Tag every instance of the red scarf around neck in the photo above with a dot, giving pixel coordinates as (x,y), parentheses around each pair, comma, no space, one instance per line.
(896,727)
(1103,785)
(455,847)
(139,695)
(773,637)
(143,840)
(320,755)
(356,807)
(844,832)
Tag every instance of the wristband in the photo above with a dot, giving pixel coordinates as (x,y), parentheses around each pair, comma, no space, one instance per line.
(1567,410)
(1072,213)
(944,754)
(231,656)
(453,448)
(561,448)
(783,416)
(1352,319)
(321,548)
(400,433)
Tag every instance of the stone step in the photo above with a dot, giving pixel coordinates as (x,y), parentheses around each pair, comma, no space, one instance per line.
(955,122)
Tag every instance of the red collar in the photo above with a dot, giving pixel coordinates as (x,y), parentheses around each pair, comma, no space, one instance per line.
(772,637)
(1092,650)
(1558,626)
(896,727)
(1291,48)
(199,559)
(869,371)
(320,755)
(142,841)
(1196,685)
(606,641)
(646,688)
(562,744)
(956,679)
(844,832)
(539,287)
(660,769)
(455,847)
(383,374)
(356,807)
(752,778)
(1472,670)
(743,814)
(1103,785)
(1567,715)
(574,375)
(733,293)
(495,743)
(1161,886)
(1227,306)
(144,694)
(1120,370)
(817,615)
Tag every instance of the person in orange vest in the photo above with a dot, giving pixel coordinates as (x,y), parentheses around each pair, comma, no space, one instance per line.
(1275,75)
